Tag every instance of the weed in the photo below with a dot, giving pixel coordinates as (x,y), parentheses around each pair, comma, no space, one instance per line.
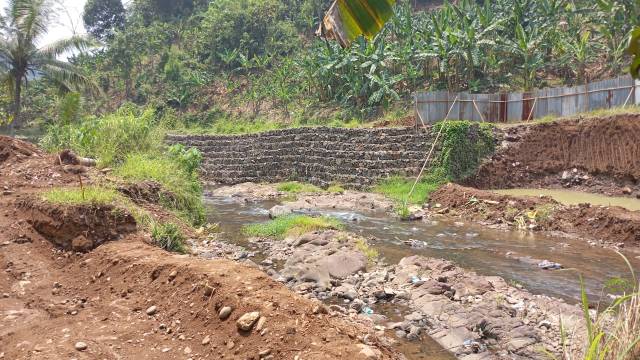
(168,237)
(92,195)
(335,189)
(292,225)
(510,213)
(184,187)
(397,188)
(611,334)
(295,187)
(371,253)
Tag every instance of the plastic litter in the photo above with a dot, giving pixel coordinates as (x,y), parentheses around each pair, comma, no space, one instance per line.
(367,310)
(549,265)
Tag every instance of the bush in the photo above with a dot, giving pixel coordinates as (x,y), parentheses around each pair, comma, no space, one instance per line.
(108,139)
(184,187)
(169,237)
(292,225)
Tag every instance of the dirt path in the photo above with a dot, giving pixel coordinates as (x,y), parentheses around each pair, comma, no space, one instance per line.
(129,300)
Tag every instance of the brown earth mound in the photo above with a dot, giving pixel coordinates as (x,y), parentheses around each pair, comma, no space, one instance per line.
(605,151)
(608,225)
(129,300)
(15,150)
(78,228)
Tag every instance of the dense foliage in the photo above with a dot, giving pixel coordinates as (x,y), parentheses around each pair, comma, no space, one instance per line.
(248,64)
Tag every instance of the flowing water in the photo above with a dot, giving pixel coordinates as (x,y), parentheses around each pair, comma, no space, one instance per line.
(513,255)
(569,197)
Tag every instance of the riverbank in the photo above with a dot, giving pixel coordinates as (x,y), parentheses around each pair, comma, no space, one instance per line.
(129,299)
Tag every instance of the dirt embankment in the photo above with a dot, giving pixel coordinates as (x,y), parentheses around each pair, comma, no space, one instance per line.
(596,155)
(605,225)
(129,300)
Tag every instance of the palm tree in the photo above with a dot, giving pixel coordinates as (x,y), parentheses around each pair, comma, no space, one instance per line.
(21,58)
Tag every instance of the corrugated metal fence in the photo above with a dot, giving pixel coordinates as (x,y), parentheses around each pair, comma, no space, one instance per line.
(516,107)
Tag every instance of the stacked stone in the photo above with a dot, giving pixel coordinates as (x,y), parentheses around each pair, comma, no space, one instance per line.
(355,158)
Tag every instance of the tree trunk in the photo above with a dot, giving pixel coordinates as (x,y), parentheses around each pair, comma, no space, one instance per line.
(17,105)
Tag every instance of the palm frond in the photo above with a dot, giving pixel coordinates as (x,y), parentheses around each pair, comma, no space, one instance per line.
(77,42)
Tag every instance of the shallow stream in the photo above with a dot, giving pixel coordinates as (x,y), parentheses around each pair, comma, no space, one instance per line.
(513,255)
(569,197)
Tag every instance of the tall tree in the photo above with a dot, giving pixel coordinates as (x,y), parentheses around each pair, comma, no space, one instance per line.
(22,28)
(103,17)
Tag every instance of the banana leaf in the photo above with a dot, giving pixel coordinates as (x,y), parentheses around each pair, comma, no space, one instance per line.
(348,19)
(634,50)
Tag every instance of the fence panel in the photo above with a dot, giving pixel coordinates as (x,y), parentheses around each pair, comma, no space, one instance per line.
(515,107)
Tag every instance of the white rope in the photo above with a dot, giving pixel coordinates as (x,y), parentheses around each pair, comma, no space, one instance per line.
(433,146)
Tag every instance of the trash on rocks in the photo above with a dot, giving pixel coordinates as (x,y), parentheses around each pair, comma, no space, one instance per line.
(367,310)
(549,265)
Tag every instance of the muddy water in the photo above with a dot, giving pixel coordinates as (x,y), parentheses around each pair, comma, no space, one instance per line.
(512,255)
(569,197)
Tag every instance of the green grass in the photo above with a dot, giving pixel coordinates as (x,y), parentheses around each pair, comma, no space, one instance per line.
(335,189)
(295,187)
(169,237)
(292,225)
(184,187)
(92,195)
(397,188)
(371,253)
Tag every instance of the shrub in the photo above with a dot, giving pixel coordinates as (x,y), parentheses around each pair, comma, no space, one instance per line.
(292,225)
(108,139)
(169,237)
(184,187)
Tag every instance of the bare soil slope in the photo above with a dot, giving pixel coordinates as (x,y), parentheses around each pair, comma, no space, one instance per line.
(604,151)
(129,300)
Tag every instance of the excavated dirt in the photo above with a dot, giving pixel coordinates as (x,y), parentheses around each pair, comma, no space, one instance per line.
(606,225)
(129,300)
(77,228)
(598,155)
(15,150)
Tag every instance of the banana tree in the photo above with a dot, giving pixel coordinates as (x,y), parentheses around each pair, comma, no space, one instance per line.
(348,19)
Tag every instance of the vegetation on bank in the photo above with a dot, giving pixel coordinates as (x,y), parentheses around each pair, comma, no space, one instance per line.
(295,187)
(462,146)
(90,195)
(610,333)
(292,225)
(131,142)
(238,74)
(168,236)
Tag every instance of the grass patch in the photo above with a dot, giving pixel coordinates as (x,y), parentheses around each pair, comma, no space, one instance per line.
(92,195)
(397,188)
(335,189)
(292,225)
(620,110)
(184,186)
(295,187)
(371,253)
(169,237)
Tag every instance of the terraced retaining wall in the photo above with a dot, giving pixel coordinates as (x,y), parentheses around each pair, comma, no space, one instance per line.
(352,157)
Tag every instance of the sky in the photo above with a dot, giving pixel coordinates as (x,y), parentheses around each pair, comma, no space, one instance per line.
(69,19)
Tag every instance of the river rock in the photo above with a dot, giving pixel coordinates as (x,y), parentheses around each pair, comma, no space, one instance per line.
(345,263)
(225,312)
(279,210)
(246,321)
(152,310)
(81,346)
(369,353)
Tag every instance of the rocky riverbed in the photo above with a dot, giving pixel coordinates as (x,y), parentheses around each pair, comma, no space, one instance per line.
(473,316)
